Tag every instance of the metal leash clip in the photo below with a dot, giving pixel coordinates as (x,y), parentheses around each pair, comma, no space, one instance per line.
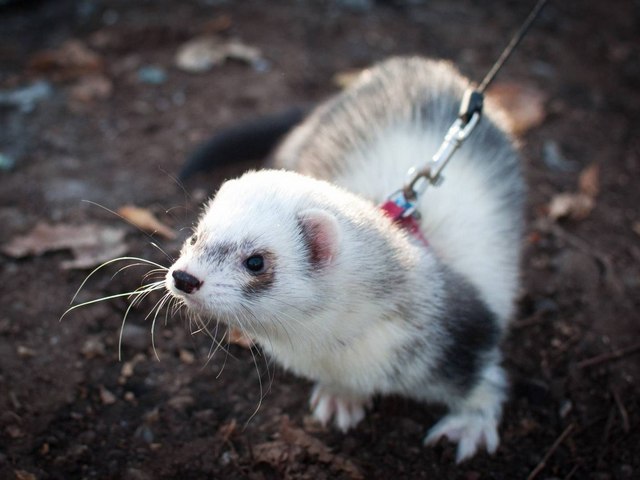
(468,118)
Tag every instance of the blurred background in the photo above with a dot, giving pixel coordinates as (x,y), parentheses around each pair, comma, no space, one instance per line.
(101,101)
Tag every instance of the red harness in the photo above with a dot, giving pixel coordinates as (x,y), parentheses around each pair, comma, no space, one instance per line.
(408,222)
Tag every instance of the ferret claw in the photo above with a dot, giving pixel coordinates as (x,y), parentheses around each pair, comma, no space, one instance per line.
(346,412)
(470,430)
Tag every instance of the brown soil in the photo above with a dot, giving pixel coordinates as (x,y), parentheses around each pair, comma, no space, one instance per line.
(70,409)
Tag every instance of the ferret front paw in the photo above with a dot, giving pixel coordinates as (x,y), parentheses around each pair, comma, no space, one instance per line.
(346,411)
(471,430)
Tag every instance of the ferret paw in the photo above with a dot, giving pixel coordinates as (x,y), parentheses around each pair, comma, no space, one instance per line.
(347,412)
(471,430)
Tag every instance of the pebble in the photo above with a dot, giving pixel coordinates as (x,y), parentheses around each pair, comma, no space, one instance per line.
(26,98)
(181,402)
(107,397)
(144,433)
(6,162)
(26,352)
(93,347)
(152,75)
(127,369)
(135,337)
(14,431)
(187,357)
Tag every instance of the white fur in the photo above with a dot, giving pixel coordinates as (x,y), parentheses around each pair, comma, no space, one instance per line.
(460,218)
(330,322)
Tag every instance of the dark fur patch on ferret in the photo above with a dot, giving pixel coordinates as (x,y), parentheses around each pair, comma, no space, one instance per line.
(261,282)
(472,333)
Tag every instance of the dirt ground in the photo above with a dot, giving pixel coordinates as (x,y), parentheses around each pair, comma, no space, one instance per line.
(115,128)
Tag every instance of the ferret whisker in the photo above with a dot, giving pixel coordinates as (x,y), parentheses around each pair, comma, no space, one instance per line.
(227,351)
(158,307)
(109,262)
(139,296)
(255,362)
(157,273)
(218,344)
(142,292)
(169,257)
(140,264)
(270,376)
(98,300)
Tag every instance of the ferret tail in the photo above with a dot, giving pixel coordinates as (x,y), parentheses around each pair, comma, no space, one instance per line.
(248,141)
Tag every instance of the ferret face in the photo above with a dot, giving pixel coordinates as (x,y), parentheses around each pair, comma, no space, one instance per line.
(254,258)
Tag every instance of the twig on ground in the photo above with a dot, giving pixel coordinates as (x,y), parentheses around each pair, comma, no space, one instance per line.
(605,436)
(573,471)
(624,416)
(609,356)
(543,463)
(531,320)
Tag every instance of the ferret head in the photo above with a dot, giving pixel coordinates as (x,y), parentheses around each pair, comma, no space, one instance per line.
(259,253)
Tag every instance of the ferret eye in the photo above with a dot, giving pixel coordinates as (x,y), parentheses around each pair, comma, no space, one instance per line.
(193,239)
(255,263)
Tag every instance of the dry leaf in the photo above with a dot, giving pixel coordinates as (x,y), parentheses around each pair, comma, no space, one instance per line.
(523,104)
(294,443)
(90,244)
(589,181)
(203,53)
(237,337)
(346,79)
(145,220)
(576,206)
(70,61)
(24,475)
(90,88)
(227,430)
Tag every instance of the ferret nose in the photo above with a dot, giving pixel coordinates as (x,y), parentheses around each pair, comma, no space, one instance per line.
(185,282)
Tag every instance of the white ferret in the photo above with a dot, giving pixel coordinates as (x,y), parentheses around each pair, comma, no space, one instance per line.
(305,262)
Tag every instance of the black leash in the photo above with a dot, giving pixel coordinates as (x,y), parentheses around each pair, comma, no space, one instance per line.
(468,117)
(473,99)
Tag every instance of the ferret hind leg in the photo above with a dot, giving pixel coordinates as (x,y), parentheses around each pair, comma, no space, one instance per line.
(473,422)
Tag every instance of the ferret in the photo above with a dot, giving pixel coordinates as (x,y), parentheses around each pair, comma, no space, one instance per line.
(302,258)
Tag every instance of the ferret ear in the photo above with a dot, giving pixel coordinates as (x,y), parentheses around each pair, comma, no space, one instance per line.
(322,235)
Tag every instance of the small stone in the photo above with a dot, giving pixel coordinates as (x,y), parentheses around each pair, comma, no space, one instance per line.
(144,433)
(7,162)
(181,402)
(26,352)
(227,458)
(93,347)
(107,397)
(152,416)
(26,98)
(130,397)
(152,75)
(565,408)
(187,357)
(14,431)
(127,369)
